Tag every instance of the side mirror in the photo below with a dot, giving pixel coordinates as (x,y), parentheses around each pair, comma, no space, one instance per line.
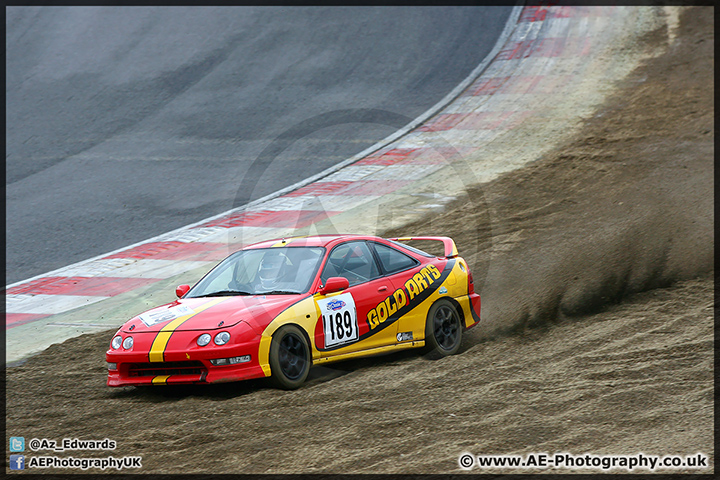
(182,290)
(334,284)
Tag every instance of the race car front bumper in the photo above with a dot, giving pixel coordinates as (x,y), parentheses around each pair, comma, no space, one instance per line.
(134,369)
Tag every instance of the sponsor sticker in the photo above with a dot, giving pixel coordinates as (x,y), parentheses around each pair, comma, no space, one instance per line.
(404,336)
(414,286)
(335,305)
(339,319)
(163,315)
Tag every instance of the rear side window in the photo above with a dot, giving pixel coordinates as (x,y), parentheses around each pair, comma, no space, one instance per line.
(353,261)
(392,260)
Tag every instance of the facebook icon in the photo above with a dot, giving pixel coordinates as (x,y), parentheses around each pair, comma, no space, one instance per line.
(17,462)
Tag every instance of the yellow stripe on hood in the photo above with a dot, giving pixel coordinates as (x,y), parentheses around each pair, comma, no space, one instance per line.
(157,350)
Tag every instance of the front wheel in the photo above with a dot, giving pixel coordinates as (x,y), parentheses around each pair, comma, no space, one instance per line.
(443,329)
(289,358)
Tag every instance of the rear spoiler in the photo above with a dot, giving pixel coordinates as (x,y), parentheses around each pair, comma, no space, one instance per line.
(450,248)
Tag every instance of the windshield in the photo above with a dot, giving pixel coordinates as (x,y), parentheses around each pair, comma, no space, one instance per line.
(262,271)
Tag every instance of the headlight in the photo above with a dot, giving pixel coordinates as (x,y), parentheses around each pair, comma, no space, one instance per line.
(112,366)
(127,343)
(222,338)
(204,339)
(115,344)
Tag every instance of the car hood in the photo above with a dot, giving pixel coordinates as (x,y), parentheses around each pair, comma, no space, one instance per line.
(212,313)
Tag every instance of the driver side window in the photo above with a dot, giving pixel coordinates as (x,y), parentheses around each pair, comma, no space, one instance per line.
(352,260)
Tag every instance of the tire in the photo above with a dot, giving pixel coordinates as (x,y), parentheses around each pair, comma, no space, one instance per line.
(443,330)
(289,358)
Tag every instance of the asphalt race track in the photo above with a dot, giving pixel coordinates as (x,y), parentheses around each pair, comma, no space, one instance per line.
(125,123)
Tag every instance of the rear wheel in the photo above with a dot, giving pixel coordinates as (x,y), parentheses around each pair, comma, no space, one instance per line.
(289,358)
(443,329)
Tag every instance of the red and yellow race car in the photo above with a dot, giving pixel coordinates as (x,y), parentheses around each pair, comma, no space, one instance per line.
(275,308)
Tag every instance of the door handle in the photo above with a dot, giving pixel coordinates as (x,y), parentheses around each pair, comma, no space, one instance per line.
(382,289)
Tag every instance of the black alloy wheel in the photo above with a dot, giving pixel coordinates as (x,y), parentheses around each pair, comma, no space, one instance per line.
(289,358)
(443,331)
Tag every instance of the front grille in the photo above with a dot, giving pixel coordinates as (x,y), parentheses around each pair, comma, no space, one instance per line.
(166,368)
